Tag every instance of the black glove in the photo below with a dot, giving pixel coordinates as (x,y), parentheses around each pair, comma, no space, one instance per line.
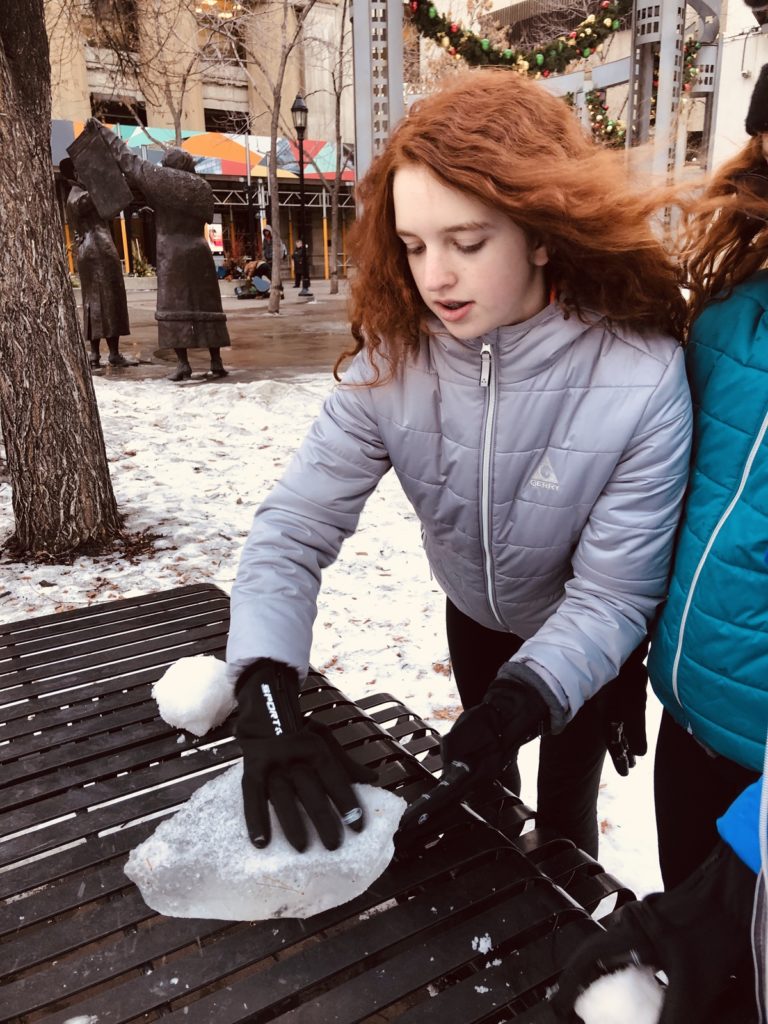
(622,709)
(697,933)
(290,761)
(481,743)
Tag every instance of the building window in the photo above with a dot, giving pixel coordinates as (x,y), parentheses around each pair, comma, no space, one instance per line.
(221,31)
(112,110)
(694,148)
(231,122)
(112,24)
(526,22)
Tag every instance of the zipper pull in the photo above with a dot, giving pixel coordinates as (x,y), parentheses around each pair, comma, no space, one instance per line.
(485,365)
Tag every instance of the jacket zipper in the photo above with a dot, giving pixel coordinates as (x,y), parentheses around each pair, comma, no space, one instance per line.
(710,543)
(487,380)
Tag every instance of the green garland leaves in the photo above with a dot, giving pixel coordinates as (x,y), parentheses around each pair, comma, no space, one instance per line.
(548,58)
(605,129)
(540,61)
(690,67)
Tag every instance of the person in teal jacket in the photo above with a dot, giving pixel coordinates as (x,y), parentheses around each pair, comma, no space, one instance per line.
(709,653)
(709,650)
(697,933)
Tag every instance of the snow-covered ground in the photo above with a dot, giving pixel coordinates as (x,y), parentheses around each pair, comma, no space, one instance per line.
(190,463)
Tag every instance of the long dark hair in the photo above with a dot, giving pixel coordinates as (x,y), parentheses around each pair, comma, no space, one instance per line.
(726,237)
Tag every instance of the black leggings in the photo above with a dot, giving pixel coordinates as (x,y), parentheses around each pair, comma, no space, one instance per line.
(692,788)
(570,763)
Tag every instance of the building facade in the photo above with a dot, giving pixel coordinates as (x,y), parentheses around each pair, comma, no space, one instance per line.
(187,68)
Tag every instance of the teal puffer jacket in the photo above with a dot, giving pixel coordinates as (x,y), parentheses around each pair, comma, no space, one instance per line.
(709,657)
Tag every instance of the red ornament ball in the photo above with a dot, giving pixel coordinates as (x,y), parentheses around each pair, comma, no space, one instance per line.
(454,27)
(414,5)
(571,35)
(605,4)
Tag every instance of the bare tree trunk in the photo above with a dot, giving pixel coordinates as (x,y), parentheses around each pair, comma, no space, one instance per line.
(335,205)
(274,198)
(62,495)
(339,86)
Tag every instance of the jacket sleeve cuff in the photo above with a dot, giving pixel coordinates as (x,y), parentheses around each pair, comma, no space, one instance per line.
(544,684)
(267,669)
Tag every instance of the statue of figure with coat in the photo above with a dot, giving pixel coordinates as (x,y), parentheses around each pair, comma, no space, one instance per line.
(105,309)
(189,312)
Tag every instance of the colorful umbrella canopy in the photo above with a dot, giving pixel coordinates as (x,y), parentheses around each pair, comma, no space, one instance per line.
(218,152)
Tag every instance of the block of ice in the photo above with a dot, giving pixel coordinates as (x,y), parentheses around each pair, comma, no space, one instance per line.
(195,694)
(631,994)
(201,863)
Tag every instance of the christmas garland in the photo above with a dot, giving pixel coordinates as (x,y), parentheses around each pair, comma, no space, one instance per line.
(548,58)
(606,130)
(540,61)
(690,67)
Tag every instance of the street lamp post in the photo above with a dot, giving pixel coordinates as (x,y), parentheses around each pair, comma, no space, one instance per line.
(299,113)
(252,253)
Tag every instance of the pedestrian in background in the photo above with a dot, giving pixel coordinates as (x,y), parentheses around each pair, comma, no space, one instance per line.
(298,263)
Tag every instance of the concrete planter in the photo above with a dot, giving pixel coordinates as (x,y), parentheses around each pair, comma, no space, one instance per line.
(140,284)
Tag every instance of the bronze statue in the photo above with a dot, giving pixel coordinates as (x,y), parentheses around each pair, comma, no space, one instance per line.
(189,313)
(105,310)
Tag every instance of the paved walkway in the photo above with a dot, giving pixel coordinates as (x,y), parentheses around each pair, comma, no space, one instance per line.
(306,337)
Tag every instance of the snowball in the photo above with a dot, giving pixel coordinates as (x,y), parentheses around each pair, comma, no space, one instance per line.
(631,994)
(201,863)
(195,694)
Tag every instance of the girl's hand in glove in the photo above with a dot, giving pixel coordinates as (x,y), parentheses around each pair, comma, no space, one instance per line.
(292,763)
(697,933)
(482,741)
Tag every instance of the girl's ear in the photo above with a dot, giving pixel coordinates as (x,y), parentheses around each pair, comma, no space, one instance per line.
(537,254)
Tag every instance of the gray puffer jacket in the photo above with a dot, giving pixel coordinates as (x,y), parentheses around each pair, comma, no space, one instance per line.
(546,462)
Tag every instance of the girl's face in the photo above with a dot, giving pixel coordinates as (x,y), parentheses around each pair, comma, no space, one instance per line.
(474,268)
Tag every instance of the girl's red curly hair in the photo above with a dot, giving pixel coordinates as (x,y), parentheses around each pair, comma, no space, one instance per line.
(509,143)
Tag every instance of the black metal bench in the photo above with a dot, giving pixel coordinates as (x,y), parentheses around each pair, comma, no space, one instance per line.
(88,768)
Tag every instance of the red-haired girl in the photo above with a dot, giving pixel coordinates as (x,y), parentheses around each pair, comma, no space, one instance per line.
(517,365)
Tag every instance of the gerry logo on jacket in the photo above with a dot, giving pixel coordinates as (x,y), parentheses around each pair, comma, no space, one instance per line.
(545,476)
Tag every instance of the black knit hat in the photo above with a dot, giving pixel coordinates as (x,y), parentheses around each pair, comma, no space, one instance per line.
(757,115)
